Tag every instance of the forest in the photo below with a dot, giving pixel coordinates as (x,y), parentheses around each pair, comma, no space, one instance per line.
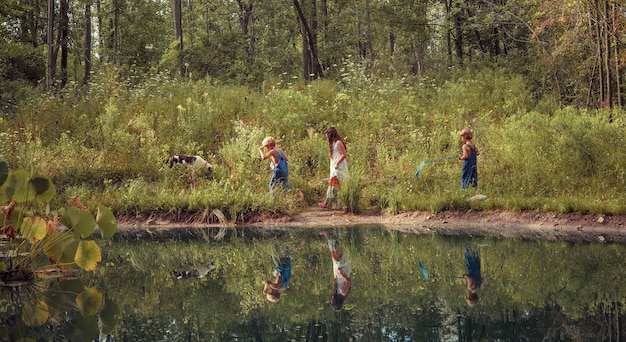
(97,94)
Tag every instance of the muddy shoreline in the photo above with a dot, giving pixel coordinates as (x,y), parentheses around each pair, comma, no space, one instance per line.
(572,227)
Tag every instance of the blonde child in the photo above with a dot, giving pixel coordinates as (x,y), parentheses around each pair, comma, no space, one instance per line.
(279,165)
(469,172)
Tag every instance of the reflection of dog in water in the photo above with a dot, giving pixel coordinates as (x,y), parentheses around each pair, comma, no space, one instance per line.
(199,272)
(195,162)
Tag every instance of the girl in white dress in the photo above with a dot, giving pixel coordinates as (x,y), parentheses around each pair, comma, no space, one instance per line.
(338,165)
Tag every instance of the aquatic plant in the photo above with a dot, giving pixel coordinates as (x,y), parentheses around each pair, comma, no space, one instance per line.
(36,238)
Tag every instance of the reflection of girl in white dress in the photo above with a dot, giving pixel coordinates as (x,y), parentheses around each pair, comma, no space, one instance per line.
(338,164)
(341,273)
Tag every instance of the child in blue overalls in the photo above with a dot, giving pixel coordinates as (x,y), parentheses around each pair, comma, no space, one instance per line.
(282,276)
(279,165)
(469,173)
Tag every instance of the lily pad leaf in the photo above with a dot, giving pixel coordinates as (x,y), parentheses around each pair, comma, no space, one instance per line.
(106,222)
(88,255)
(33,228)
(43,187)
(61,247)
(80,222)
(16,187)
(109,316)
(89,301)
(34,315)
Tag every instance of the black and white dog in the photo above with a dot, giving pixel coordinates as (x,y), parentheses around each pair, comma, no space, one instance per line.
(193,161)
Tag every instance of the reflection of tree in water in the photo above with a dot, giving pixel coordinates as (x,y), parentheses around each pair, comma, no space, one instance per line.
(532,290)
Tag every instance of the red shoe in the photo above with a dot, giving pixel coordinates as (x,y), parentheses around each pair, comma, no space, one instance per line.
(323,205)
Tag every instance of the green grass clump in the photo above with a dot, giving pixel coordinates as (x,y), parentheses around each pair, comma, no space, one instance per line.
(108,143)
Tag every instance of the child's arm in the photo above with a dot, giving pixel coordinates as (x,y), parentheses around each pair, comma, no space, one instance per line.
(269,153)
(342,150)
(466,153)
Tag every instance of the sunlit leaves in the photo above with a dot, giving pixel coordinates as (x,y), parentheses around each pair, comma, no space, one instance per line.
(80,222)
(61,247)
(89,301)
(106,222)
(23,187)
(33,228)
(36,314)
(88,255)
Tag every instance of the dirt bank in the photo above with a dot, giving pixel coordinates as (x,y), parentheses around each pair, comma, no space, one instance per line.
(572,227)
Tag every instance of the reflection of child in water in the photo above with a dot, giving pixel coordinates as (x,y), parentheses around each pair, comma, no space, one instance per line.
(341,273)
(282,274)
(472,275)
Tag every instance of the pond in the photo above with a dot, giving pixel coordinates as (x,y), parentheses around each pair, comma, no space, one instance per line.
(207,285)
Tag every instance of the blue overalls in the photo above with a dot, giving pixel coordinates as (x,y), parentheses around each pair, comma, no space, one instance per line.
(281,172)
(469,173)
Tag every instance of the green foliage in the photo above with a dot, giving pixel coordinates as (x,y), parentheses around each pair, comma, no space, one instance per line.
(31,226)
(108,144)
(350,194)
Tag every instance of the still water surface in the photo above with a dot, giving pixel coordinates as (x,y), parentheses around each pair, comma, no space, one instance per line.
(530,291)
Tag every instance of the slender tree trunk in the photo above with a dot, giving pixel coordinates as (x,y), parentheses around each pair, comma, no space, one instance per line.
(324,30)
(100,20)
(449,30)
(309,38)
(51,56)
(618,74)
(599,53)
(245,15)
(87,54)
(315,66)
(178,33)
(458,39)
(63,39)
(368,22)
(607,55)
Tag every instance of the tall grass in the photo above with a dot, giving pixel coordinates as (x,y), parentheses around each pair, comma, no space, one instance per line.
(108,143)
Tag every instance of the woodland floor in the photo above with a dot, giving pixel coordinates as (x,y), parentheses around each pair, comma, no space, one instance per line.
(571,227)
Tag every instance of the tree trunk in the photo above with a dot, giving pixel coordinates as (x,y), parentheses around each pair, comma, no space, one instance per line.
(178,33)
(51,56)
(599,53)
(87,55)
(370,45)
(310,38)
(618,74)
(245,14)
(607,55)
(100,33)
(458,39)
(64,30)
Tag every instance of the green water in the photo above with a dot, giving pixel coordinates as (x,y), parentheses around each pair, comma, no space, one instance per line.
(531,291)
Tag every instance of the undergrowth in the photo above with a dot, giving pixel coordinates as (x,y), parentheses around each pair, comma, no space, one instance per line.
(108,144)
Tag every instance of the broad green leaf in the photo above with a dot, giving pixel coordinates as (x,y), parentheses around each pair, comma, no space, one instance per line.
(109,316)
(8,188)
(88,255)
(23,192)
(106,222)
(80,222)
(35,315)
(89,301)
(3,267)
(4,172)
(61,247)
(84,329)
(43,187)
(33,228)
